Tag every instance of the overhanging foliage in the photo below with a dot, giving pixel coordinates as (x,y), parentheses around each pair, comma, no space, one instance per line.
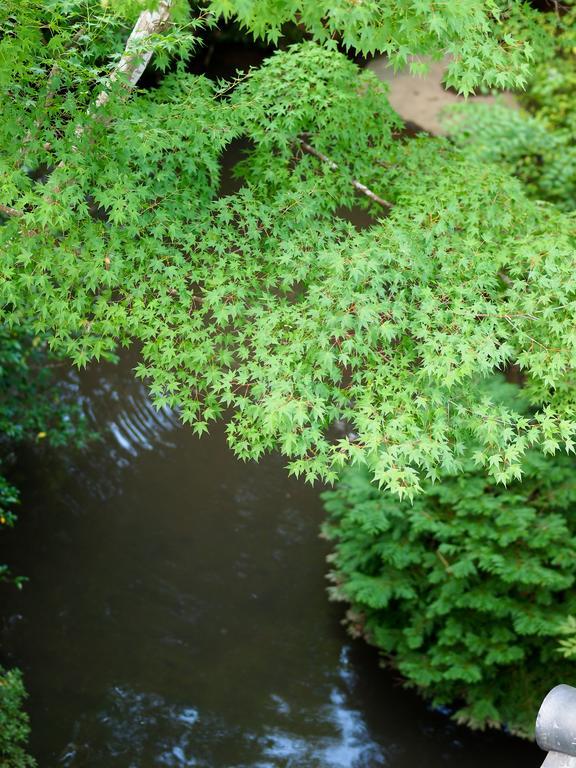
(267,307)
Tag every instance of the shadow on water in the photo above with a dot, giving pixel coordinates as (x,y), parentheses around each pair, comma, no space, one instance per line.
(176,613)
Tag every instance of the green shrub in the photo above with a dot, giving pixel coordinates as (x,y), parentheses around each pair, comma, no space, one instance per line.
(14,727)
(542,156)
(551,91)
(467,591)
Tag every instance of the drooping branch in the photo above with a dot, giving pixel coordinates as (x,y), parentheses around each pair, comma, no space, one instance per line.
(134,61)
(356,184)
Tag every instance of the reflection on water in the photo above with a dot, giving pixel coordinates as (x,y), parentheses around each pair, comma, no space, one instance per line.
(126,416)
(348,742)
(176,613)
(133,724)
(146,729)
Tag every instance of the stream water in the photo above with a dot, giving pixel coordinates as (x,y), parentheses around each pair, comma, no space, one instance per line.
(176,613)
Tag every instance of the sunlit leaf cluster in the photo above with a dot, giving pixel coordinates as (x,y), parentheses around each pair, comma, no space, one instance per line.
(266,306)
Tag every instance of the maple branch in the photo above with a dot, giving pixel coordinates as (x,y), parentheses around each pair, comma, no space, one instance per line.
(356,184)
(6,210)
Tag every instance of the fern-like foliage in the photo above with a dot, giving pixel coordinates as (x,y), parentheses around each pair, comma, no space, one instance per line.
(468,591)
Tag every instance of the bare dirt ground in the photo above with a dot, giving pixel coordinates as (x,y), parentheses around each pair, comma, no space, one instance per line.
(419,99)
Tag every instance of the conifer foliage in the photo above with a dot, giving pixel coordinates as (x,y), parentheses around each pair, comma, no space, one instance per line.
(14,727)
(266,307)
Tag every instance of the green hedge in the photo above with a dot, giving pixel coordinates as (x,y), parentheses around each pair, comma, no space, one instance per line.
(14,728)
(467,591)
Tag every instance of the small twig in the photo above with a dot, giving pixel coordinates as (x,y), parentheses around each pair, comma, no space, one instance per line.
(8,211)
(356,184)
(505,279)
(444,562)
(55,71)
(532,339)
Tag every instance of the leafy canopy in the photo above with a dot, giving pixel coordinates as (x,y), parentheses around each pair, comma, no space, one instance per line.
(267,307)
(488,41)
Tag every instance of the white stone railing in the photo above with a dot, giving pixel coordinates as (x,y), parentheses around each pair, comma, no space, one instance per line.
(556,727)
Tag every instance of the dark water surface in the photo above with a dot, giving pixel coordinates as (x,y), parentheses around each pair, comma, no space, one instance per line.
(176,614)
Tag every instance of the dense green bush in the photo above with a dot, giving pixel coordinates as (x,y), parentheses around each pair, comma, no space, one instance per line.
(541,156)
(551,91)
(466,591)
(14,727)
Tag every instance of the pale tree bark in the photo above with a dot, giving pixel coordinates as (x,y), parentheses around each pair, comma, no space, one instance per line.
(7,210)
(135,58)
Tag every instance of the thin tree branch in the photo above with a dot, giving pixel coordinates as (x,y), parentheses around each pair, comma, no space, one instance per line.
(6,210)
(356,184)
(48,99)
